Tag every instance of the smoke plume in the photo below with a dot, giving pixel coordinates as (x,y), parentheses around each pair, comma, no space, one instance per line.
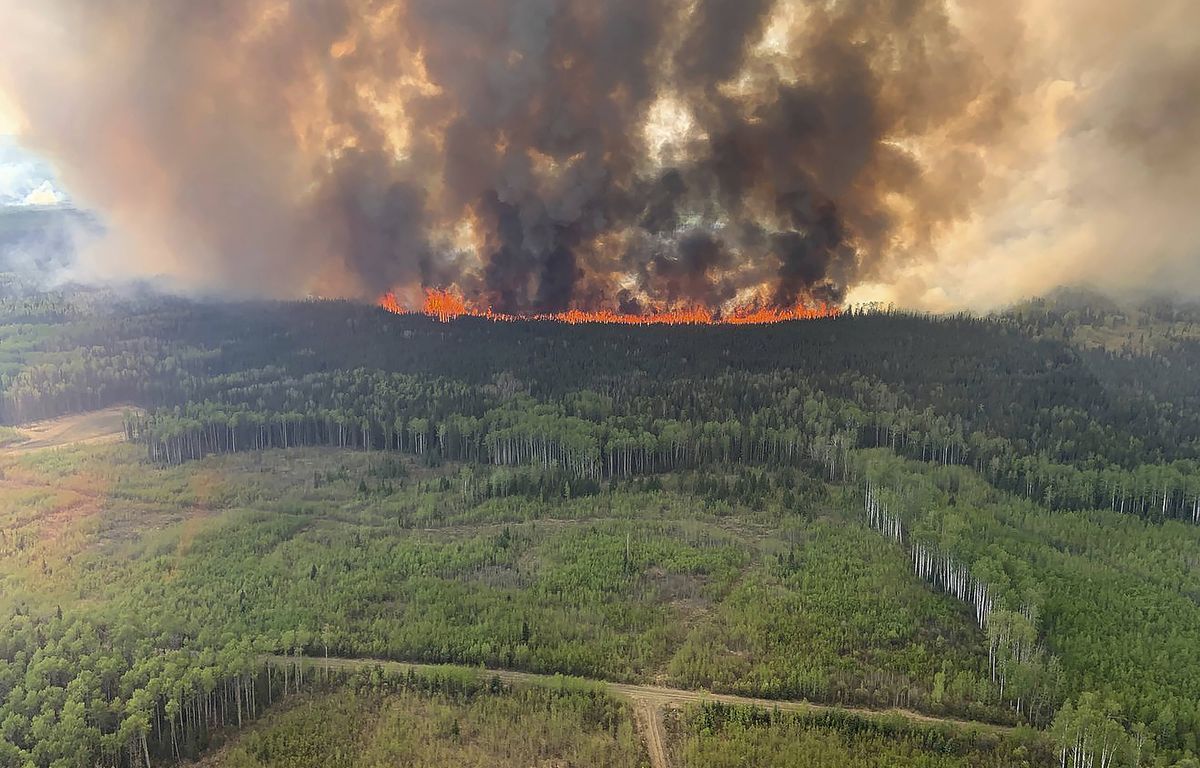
(539,155)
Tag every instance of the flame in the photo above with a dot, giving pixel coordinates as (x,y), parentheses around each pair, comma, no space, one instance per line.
(443,305)
(446,305)
(763,315)
(388,301)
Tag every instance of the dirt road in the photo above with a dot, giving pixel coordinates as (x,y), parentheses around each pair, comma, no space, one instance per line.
(91,427)
(649,718)
(649,701)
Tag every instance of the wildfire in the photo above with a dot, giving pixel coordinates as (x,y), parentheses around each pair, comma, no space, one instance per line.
(388,302)
(447,305)
(443,305)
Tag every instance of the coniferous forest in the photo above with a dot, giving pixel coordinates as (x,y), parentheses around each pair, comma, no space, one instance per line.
(929,540)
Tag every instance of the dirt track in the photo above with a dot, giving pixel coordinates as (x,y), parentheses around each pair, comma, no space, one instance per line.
(92,427)
(650,700)
(650,723)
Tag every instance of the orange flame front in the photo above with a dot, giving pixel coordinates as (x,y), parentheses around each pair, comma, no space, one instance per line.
(447,305)
(444,305)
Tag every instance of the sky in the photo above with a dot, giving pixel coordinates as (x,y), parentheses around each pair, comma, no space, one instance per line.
(25,178)
(937,154)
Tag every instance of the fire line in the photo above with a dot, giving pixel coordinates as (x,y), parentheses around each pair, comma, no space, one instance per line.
(446,305)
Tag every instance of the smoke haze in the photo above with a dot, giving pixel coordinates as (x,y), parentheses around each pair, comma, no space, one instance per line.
(539,155)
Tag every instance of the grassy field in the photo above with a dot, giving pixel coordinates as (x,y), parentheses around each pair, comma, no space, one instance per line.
(77,429)
(716,736)
(445,720)
(438,717)
(391,559)
(11,437)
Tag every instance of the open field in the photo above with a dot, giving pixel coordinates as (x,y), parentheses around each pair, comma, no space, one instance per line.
(628,585)
(101,426)
(439,719)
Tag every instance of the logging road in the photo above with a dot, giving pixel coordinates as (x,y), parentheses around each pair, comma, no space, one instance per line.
(648,701)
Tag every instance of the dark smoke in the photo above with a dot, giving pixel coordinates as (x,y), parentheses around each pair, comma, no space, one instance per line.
(688,274)
(501,147)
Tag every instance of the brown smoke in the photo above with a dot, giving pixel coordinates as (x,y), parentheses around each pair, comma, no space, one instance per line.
(545,154)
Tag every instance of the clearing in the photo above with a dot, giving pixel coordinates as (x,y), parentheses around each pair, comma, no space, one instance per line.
(648,700)
(92,427)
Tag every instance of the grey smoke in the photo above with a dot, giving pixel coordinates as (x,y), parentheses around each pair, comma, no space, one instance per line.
(350,147)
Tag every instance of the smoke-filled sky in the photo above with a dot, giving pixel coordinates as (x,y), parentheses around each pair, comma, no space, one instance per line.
(538,155)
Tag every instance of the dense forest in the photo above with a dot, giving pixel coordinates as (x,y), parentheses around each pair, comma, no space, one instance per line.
(990,518)
(1037,416)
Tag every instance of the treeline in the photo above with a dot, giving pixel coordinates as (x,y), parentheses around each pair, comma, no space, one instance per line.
(984,376)
(77,692)
(1158,491)
(67,379)
(443,718)
(1104,601)
(780,420)
(1088,733)
(1038,416)
(584,435)
(1024,674)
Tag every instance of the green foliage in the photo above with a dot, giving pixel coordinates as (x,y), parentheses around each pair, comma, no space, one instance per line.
(642,504)
(10,436)
(1116,597)
(714,735)
(837,618)
(417,721)
(610,585)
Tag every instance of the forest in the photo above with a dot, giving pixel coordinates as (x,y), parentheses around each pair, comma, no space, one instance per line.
(986,520)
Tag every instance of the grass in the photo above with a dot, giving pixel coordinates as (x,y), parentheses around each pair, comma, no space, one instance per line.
(635,583)
(10,436)
(409,722)
(716,736)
